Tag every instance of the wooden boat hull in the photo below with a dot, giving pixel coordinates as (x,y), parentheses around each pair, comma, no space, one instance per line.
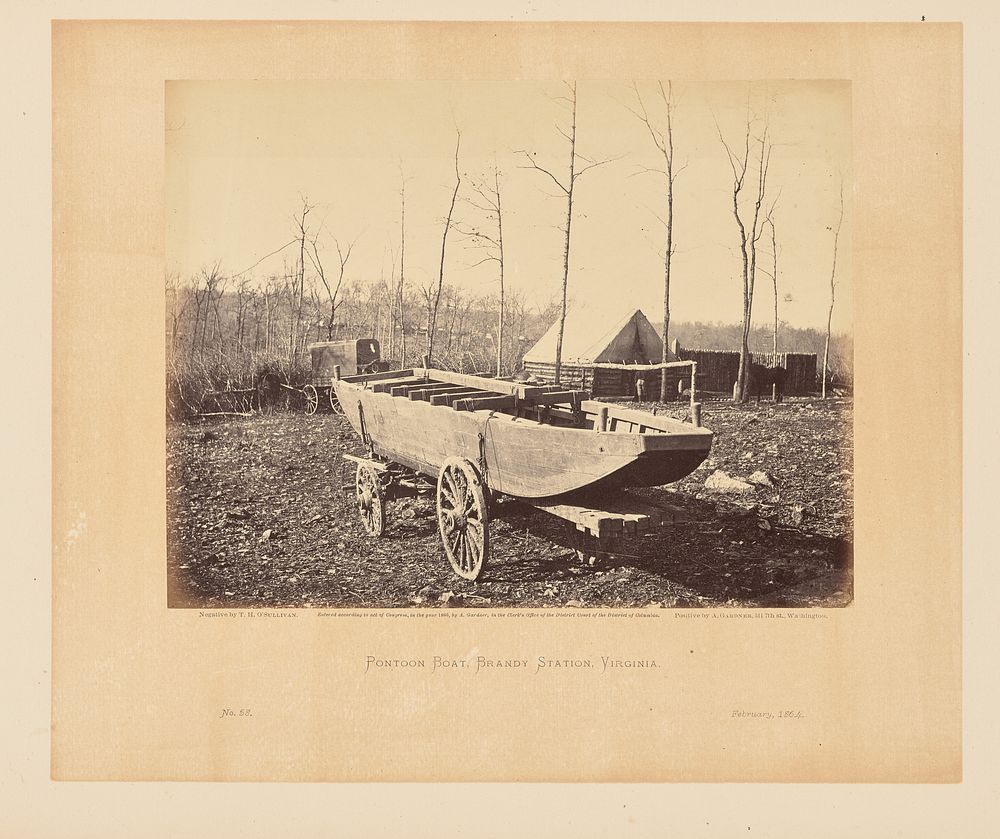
(523,457)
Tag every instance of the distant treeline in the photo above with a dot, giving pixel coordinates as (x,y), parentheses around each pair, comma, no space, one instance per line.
(224,332)
(726,336)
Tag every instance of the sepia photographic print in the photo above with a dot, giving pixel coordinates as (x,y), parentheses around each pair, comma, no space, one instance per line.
(565,344)
(498,402)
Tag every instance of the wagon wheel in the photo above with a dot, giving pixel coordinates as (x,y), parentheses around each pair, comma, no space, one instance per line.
(463,518)
(335,405)
(312,399)
(371,500)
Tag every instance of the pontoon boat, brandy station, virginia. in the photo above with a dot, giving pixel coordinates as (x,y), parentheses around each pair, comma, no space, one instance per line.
(476,435)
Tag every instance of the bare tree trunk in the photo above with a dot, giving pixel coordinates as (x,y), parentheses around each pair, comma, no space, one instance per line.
(491,206)
(197,319)
(774,281)
(567,189)
(432,320)
(665,357)
(748,243)
(299,282)
(268,324)
(402,328)
(500,317)
(569,222)
(833,290)
(665,145)
(390,338)
(451,306)
(218,317)
(402,259)
(740,394)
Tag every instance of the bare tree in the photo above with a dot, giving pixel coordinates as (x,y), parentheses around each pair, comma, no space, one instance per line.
(178,299)
(427,293)
(199,296)
(331,285)
(397,297)
(567,187)
(833,288)
(272,299)
(299,277)
(387,289)
(773,274)
(432,319)
(453,299)
(665,145)
(206,290)
(244,296)
(490,202)
(748,238)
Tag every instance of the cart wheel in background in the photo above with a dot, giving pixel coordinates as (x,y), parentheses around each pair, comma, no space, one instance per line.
(371,500)
(335,403)
(312,399)
(463,517)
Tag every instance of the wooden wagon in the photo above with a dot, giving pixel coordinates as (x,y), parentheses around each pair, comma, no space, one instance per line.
(474,438)
(361,355)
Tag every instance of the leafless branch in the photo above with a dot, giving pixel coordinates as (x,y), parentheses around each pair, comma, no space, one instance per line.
(646,170)
(534,165)
(597,163)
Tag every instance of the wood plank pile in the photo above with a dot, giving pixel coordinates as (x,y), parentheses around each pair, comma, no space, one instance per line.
(625,516)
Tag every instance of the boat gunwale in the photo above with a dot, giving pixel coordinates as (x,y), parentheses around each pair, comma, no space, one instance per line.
(658,426)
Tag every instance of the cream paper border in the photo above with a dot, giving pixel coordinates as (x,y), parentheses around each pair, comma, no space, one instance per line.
(136,689)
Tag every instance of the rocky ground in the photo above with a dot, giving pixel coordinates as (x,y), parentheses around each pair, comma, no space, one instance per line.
(258,517)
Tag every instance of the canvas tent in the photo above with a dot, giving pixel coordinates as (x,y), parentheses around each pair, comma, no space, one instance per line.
(593,335)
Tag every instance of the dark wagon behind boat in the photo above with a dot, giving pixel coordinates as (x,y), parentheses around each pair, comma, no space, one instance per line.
(476,438)
(357,356)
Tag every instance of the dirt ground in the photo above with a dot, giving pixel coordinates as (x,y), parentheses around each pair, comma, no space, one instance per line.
(258,517)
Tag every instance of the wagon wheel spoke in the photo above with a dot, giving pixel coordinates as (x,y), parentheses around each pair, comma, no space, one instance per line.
(450,488)
(468,557)
(463,517)
(449,497)
(371,500)
(470,504)
(471,551)
(476,528)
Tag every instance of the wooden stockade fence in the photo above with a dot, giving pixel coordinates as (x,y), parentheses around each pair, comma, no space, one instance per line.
(801,367)
(717,369)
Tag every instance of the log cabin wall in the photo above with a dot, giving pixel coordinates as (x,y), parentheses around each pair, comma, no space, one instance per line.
(573,377)
(600,381)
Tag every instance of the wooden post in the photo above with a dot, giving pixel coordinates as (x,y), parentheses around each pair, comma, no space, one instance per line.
(602,419)
(425,361)
(694,370)
(336,371)
(696,414)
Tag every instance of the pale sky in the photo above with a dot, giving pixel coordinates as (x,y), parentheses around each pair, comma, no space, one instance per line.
(240,154)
